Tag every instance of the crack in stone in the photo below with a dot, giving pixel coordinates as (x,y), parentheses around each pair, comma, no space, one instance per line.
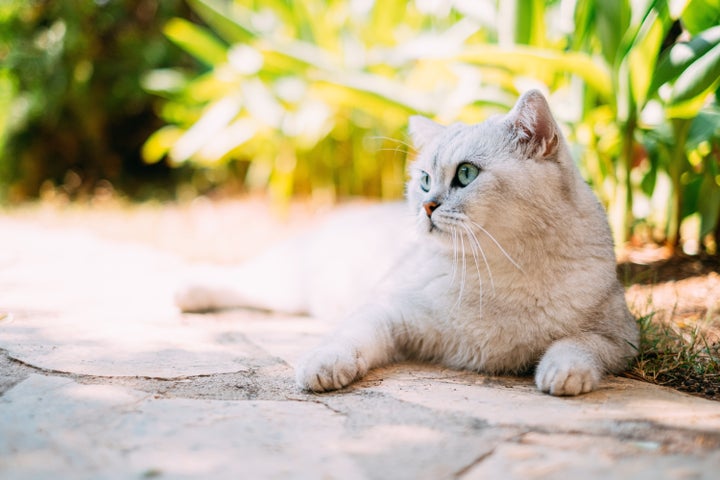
(669,439)
(481,458)
(309,399)
(80,376)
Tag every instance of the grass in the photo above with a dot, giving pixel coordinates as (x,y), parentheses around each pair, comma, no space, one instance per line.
(682,356)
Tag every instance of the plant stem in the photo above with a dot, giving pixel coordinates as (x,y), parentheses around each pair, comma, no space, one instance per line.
(676,167)
(623,216)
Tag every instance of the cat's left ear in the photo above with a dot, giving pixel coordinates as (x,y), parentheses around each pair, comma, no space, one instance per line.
(534,125)
(423,130)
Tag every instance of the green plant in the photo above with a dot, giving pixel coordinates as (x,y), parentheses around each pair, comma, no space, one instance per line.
(276,97)
(355,76)
(680,357)
(660,83)
(73,112)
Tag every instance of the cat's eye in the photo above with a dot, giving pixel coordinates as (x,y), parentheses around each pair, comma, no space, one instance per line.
(466,173)
(425,181)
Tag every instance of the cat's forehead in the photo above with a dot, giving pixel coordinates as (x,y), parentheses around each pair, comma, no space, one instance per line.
(460,142)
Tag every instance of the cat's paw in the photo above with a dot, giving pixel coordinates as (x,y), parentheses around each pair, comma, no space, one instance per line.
(195,298)
(567,372)
(330,367)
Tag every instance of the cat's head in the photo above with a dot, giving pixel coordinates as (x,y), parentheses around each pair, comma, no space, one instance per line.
(504,175)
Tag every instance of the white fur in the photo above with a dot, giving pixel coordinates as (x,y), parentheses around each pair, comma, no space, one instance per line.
(513,271)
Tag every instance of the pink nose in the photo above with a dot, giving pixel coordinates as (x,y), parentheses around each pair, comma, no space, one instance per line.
(430,207)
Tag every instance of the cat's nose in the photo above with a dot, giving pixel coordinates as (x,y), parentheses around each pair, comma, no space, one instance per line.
(430,207)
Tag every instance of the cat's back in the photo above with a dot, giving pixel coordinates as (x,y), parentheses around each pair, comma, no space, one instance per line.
(356,249)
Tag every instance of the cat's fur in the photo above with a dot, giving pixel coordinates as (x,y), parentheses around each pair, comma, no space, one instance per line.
(515,270)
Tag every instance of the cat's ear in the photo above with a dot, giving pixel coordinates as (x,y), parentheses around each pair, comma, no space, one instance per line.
(423,130)
(532,121)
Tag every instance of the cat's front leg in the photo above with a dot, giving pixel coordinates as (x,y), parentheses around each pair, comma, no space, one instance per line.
(567,369)
(366,340)
(575,365)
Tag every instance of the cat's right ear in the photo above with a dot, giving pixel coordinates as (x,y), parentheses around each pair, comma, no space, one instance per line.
(423,131)
(533,125)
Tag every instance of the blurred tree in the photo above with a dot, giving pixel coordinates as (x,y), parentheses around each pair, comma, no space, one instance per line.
(73,111)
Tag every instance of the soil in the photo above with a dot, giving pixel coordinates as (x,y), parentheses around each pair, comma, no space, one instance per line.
(682,293)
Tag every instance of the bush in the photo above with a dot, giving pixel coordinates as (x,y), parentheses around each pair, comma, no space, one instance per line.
(70,84)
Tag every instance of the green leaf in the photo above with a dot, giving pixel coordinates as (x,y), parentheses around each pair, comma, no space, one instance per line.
(649,180)
(584,23)
(196,40)
(159,143)
(228,19)
(701,15)
(691,195)
(705,127)
(215,117)
(530,22)
(383,93)
(522,59)
(680,56)
(708,204)
(698,77)
(386,16)
(643,55)
(612,19)
(164,81)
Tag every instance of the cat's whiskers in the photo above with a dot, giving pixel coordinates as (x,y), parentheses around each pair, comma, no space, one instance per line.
(464,271)
(475,247)
(455,257)
(497,244)
(399,143)
(473,238)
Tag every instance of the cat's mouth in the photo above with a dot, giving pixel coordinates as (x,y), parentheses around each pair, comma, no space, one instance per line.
(434,228)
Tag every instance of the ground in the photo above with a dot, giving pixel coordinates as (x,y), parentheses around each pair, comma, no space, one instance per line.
(680,296)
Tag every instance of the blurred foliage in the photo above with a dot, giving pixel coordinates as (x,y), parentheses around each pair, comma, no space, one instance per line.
(311,97)
(74,115)
(309,94)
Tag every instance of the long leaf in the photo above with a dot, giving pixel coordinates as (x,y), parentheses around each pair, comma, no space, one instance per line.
(196,40)
(530,22)
(638,30)
(229,20)
(681,55)
(709,205)
(700,15)
(643,57)
(519,60)
(388,93)
(705,127)
(612,19)
(698,77)
(584,24)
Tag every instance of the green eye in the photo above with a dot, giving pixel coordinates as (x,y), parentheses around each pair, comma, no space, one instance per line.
(425,181)
(466,173)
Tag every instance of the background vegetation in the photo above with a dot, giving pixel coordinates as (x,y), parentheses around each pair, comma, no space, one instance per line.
(311,97)
(73,114)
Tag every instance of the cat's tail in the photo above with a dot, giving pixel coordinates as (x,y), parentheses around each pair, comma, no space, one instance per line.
(271,282)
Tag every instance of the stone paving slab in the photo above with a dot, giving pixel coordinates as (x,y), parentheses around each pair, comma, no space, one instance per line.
(101,377)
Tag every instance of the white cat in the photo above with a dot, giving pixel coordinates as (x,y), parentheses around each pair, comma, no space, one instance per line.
(510,266)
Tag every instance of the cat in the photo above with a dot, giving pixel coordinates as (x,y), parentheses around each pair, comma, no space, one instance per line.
(510,266)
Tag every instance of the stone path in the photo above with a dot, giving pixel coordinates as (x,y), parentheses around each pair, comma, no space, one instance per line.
(100,377)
